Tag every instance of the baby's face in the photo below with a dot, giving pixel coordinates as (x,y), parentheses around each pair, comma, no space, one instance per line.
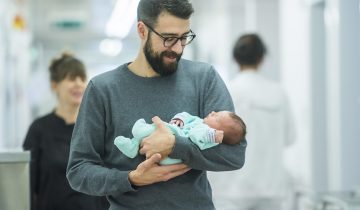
(217,120)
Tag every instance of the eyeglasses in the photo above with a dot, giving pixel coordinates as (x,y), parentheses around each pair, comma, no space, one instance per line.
(172,40)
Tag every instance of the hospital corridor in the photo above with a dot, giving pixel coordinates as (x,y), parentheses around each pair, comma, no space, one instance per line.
(76,74)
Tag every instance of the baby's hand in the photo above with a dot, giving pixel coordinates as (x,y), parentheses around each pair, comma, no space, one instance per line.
(179,123)
(219,135)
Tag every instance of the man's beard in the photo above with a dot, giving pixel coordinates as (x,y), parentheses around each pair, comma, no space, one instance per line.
(156,61)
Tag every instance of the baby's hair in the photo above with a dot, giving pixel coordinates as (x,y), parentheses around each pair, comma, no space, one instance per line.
(66,65)
(237,131)
(240,121)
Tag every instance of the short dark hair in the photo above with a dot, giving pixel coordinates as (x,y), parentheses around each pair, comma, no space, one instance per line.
(148,11)
(66,66)
(249,50)
(237,130)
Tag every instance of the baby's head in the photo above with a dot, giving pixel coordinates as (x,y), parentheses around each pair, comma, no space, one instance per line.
(233,126)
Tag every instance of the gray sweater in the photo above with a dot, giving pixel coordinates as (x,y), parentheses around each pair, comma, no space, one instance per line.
(113,101)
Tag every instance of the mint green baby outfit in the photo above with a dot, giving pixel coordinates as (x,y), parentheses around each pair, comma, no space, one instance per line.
(194,128)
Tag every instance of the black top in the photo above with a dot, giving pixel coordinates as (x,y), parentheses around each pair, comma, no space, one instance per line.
(48,139)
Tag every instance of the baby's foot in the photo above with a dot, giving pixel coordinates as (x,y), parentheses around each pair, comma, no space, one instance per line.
(141,129)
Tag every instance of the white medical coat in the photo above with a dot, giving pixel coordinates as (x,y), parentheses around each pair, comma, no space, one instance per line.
(264,107)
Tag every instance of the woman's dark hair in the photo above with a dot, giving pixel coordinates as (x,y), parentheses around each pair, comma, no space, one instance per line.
(66,66)
(148,11)
(249,50)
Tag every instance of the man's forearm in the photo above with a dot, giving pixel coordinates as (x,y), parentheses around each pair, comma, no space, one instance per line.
(219,158)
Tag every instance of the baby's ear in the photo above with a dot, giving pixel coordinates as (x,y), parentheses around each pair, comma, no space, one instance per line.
(219,135)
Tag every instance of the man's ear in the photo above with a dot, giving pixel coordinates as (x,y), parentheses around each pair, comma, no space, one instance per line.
(142,30)
(53,85)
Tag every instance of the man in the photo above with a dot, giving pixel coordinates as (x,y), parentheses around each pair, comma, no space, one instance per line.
(262,183)
(157,83)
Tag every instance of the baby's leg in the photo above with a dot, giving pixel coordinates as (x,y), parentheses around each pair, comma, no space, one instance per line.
(128,147)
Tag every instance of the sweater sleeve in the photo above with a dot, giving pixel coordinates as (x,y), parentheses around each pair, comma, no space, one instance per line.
(223,157)
(86,172)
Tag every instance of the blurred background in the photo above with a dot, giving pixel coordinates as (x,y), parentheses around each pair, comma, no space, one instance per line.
(314,52)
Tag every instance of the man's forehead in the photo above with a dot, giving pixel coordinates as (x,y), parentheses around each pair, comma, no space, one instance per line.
(172,24)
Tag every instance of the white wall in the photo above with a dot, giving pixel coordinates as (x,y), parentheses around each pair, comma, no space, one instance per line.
(342,21)
(350,86)
(214,30)
(317,54)
(336,126)
(17,65)
(295,74)
(2,69)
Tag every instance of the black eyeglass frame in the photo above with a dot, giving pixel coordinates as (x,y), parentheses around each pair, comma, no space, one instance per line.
(192,36)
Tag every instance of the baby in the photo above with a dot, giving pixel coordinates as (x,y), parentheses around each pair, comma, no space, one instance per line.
(218,127)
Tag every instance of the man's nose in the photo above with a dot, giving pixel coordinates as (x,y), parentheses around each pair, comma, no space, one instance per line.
(177,47)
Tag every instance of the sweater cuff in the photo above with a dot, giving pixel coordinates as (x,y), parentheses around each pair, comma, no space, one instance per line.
(181,148)
(126,185)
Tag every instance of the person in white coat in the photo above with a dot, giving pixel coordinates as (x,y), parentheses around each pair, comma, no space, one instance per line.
(263,182)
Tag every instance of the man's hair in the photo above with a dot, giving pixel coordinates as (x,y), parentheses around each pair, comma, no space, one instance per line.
(237,130)
(249,50)
(148,11)
(66,65)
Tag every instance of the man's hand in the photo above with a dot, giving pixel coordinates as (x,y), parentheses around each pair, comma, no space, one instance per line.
(160,141)
(149,172)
